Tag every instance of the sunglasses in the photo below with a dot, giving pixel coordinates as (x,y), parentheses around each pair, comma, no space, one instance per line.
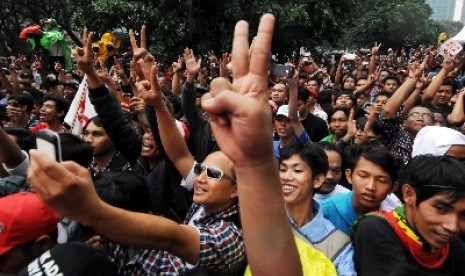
(212,172)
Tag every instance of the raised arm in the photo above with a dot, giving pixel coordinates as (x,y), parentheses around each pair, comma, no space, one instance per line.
(374,54)
(172,141)
(448,65)
(457,116)
(240,117)
(403,92)
(176,82)
(292,84)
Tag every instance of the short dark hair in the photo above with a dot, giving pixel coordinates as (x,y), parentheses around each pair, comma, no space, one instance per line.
(127,190)
(311,153)
(60,105)
(23,100)
(391,77)
(303,94)
(75,149)
(451,82)
(25,139)
(431,175)
(336,109)
(379,155)
(328,146)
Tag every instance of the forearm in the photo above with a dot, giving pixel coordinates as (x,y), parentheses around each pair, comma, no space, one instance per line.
(457,116)
(433,87)
(372,65)
(144,231)
(401,94)
(172,141)
(176,84)
(410,102)
(264,218)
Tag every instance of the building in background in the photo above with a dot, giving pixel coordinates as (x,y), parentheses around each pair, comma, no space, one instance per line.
(445,9)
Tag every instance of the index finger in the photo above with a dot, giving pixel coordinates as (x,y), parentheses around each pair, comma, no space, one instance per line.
(132,39)
(84,36)
(240,49)
(262,46)
(143,38)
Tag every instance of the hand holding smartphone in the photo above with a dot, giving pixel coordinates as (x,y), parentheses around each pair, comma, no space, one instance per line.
(48,142)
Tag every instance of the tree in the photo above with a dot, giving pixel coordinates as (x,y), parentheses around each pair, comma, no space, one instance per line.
(394,23)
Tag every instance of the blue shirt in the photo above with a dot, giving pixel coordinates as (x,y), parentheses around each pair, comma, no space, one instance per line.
(318,229)
(339,211)
(303,138)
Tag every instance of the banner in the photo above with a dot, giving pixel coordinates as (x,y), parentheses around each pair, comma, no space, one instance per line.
(81,109)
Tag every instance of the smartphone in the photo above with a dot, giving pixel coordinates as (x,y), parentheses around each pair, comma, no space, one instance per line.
(127,98)
(350,56)
(48,142)
(281,70)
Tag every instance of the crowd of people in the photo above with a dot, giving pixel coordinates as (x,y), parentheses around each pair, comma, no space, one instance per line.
(350,165)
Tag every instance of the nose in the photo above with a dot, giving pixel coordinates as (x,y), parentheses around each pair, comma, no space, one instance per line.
(451,224)
(286,175)
(370,185)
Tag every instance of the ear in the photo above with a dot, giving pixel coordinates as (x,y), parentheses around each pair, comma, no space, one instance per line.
(409,195)
(349,176)
(319,179)
(42,244)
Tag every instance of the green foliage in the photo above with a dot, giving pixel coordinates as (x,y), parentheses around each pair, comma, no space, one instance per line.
(208,24)
(394,23)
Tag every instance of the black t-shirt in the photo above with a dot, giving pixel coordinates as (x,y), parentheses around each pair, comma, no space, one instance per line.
(378,251)
(316,127)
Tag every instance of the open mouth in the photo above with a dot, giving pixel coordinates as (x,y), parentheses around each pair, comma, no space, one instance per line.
(287,189)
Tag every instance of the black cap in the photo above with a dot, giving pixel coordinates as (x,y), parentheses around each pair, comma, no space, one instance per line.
(71,259)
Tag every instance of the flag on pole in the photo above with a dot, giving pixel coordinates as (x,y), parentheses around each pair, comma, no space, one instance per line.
(81,109)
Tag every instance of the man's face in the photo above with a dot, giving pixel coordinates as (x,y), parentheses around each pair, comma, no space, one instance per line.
(334,174)
(312,84)
(361,100)
(379,103)
(390,86)
(278,94)
(370,183)
(360,137)
(349,83)
(437,219)
(282,126)
(48,112)
(213,194)
(69,92)
(13,110)
(439,119)
(361,83)
(383,74)
(338,123)
(344,100)
(297,180)
(98,139)
(443,95)
(417,118)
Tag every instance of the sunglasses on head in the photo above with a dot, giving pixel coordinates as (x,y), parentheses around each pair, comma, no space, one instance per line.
(212,172)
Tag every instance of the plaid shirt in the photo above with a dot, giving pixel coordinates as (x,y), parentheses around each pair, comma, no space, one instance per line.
(396,138)
(221,249)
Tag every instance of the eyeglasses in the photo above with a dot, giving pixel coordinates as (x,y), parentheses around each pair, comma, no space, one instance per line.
(418,115)
(212,172)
